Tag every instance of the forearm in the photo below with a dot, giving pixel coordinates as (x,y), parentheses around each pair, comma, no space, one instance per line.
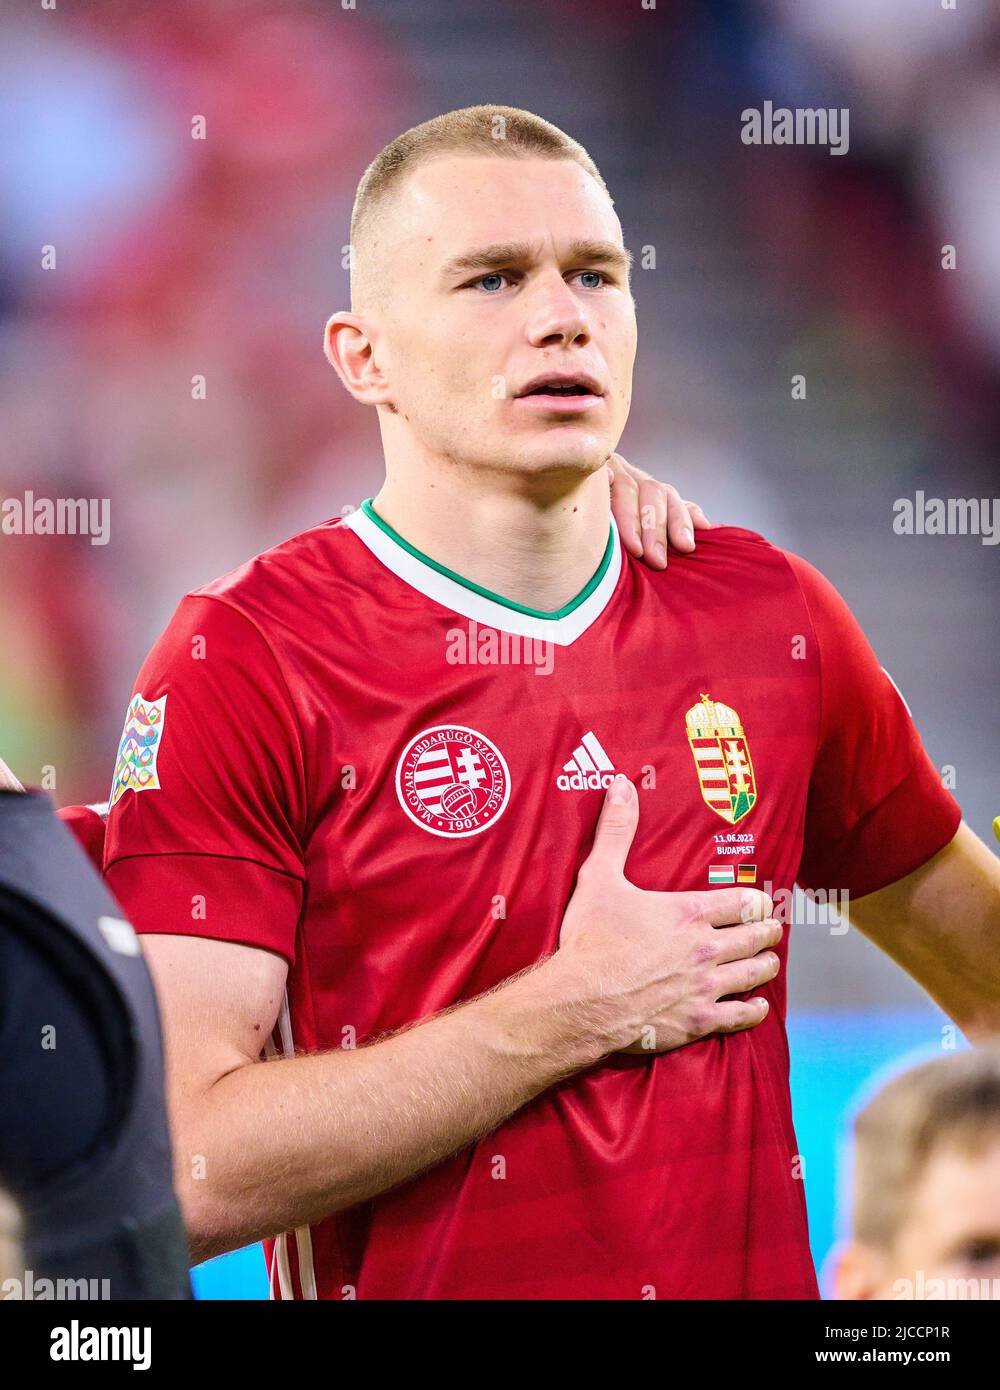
(286,1143)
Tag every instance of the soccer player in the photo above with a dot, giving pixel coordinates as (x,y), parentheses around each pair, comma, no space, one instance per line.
(472,812)
(925,1219)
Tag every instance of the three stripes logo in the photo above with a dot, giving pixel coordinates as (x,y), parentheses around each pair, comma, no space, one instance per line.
(589,769)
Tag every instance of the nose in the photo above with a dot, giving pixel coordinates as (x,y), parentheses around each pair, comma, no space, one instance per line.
(557,317)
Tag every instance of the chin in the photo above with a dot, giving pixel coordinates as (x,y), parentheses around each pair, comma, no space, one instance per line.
(578,451)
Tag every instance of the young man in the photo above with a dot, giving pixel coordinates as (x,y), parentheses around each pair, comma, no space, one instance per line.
(356,799)
(925,1222)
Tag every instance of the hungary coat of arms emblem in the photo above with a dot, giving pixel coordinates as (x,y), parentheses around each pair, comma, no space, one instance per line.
(722,759)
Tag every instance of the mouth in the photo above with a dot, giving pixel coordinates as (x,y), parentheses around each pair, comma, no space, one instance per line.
(561,384)
(561,393)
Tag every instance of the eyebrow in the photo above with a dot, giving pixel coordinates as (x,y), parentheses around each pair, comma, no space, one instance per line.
(504,253)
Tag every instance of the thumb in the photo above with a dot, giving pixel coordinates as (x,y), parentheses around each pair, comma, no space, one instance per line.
(615,828)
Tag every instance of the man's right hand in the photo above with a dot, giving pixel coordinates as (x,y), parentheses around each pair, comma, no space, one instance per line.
(655,966)
(344,1124)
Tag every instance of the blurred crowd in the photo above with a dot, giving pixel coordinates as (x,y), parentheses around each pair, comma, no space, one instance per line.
(177,257)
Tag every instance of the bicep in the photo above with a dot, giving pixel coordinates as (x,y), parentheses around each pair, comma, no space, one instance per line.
(961,880)
(942,921)
(876,809)
(219,1001)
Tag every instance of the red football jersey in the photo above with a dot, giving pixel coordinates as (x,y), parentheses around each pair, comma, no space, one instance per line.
(88,827)
(390,776)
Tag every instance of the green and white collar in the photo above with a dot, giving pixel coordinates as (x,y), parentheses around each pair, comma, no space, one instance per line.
(449,589)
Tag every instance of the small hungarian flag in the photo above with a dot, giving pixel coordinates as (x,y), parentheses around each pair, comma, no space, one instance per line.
(746,873)
(721,873)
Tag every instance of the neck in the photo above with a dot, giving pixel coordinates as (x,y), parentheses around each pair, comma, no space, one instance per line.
(536,544)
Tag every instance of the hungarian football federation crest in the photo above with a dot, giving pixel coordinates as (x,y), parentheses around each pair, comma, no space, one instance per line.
(452,781)
(135,768)
(722,757)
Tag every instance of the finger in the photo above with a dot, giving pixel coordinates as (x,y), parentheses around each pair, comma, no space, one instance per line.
(725,906)
(736,1015)
(615,829)
(741,976)
(680,530)
(625,505)
(621,463)
(653,508)
(740,943)
(698,517)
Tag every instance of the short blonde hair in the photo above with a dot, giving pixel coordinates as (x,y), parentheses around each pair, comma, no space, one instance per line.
(505,132)
(951,1102)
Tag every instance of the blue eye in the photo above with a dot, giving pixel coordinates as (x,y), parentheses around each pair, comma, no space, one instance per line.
(493,282)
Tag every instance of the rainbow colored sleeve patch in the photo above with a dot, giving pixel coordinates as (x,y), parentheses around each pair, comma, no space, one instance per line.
(135,765)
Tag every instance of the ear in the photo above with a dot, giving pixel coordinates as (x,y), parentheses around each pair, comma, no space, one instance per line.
(858,1271)
(349,345)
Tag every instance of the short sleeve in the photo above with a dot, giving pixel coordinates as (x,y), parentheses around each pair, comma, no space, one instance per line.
(87,827)
(207,803)
(876,807)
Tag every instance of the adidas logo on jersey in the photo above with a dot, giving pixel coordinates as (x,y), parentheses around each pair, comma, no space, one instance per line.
(589,769)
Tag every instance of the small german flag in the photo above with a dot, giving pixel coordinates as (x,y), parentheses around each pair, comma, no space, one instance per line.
(746,873)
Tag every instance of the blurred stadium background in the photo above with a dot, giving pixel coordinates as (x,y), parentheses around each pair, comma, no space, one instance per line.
(224,256)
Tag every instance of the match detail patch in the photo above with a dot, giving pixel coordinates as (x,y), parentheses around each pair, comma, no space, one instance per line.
(135,766)
(452,781)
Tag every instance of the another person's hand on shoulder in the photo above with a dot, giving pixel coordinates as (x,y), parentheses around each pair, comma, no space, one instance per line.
(649,513)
